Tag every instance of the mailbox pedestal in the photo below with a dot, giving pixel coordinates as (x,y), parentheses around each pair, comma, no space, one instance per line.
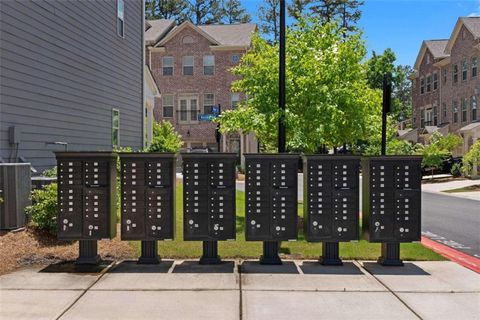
(86,200)
(392,203)
(271,201)
(331,202)
(209,201)
(148,200)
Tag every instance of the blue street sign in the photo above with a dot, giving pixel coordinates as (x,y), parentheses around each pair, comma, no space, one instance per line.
(215,110)
(206,117)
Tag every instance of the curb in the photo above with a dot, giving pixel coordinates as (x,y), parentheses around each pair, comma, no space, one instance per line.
(461,258)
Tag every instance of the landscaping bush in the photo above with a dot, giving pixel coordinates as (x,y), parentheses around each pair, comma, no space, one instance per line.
(165,138)
(50,173)
(456,170)
(43,212)
(472,159)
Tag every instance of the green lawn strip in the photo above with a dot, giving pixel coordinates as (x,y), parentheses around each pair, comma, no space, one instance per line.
(299,249)
(473,188)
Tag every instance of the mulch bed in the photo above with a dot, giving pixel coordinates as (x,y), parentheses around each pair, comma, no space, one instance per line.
(36,247)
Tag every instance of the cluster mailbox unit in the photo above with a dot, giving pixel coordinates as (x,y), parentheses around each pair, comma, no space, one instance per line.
(271,199)
(148,200)
(86,200)
(392,202)
(331,202)
(209,200)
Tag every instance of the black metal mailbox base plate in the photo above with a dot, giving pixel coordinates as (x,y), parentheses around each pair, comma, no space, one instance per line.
(88,253)
(149,253)
(390,255)
(210,253)
(270,253)
(330,254)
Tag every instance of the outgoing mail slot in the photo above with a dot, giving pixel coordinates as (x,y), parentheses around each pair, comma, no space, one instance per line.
(392,198)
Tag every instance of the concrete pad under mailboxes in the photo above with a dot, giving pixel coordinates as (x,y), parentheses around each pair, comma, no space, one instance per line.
(287,267)
(195,267)
(132,266)
(284,305)
(426,276)
(34,278)
(183,305)
(317,278)
(443,305)
(166,281)
(35,304)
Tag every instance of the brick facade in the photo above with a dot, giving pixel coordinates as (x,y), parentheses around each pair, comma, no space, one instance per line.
(444,106)
(190,42)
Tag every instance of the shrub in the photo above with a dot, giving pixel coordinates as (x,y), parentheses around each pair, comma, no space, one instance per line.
(165,138)
(472,158)
(50,173)
(456,170)
(43,212)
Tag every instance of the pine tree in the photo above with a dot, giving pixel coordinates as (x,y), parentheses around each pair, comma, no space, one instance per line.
(269,16)
(204,11)
(165,9)
(233,12)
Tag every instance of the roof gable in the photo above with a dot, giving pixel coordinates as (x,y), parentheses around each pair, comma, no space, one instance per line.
(472,24)
(178,29)
(157,29)
(435,47)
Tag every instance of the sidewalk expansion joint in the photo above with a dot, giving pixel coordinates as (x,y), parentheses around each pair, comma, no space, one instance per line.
(240,299)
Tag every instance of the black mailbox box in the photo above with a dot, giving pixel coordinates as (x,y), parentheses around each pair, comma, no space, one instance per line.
(392,198)
(86,195)
(209,196)
(147,196)
(271,197)
(331,198)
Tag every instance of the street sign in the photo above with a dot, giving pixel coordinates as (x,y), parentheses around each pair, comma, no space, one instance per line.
(206,117)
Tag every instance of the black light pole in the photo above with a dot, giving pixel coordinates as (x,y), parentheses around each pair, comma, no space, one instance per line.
(270,248)
(390,250)
(218,134)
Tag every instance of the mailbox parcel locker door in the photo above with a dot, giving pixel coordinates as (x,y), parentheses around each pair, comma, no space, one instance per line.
(407,215)
(221,216)
(257,225)
(70,202)
(159,224)
(284,213)
(345,217)
(195,209)
(133,213)
(95,223)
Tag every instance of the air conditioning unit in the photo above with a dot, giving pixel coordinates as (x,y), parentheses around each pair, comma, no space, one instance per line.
(15,186)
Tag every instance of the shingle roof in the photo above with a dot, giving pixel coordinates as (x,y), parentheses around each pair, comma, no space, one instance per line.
(157,30)
(437,47)
(231,34)
(472,24)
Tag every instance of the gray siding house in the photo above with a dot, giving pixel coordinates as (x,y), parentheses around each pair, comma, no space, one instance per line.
(71,72)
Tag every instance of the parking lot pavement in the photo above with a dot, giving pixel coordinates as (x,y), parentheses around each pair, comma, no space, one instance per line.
(243,290)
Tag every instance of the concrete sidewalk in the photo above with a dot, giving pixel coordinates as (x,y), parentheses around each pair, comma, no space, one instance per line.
(295,290)
(443,186)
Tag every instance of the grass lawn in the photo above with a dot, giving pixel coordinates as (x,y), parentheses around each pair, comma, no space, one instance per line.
(299,249)
(475,187)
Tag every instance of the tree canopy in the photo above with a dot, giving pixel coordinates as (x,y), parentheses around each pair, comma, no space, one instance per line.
(329,101)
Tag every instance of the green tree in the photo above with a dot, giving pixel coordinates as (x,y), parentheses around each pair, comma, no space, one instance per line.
(165,138)
(378,65)
(165,9)
(233,12)
(328,99)
(471,160)
(269,21)
(204,11)
(438,148)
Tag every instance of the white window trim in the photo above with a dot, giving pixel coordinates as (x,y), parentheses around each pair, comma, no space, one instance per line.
(213,65)
(168,105)
(117,127)
(189,109)
(192,66)
(121,18)
(173,66)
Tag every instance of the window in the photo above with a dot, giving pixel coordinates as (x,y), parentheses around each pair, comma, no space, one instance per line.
(422,85)
(120,18)
(188,109)
(208,65)
(188,66)
(464,109)
(429,83)
(235,58)
(414,118)
(435,81)
(167,105)
(474,108)
(208,103)
(464,70)
(435,115)
(167,66)
(445,72)
(115,127)
(235,99)
(422,118)
(455,73)
(455,111)
(474,67)
(444,116)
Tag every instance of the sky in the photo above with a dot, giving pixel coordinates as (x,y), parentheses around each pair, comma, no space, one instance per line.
(403,24)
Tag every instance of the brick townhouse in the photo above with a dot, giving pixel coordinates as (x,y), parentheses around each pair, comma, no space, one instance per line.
(191,66)
(446,85)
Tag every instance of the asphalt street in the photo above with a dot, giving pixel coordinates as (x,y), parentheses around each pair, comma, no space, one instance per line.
(449,220)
